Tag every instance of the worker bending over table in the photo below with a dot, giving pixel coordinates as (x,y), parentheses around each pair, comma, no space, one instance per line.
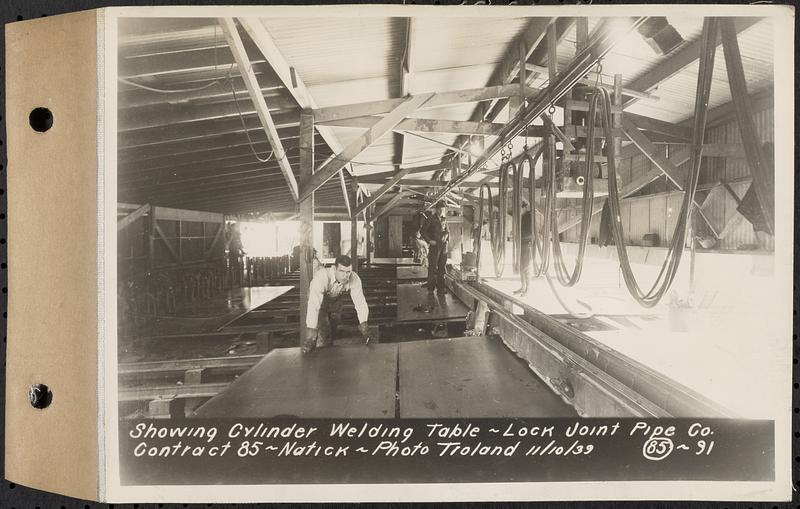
(325,298)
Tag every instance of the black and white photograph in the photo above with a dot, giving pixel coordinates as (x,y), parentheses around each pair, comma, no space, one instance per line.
(487,248)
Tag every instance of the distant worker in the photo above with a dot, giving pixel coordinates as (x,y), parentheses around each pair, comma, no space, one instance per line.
(437,235)
(525,258)
(325,299)
(421,248)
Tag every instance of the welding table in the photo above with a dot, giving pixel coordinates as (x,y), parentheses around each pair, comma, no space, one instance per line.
(456,377)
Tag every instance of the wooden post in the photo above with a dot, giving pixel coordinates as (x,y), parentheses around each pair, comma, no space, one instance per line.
(368,233)
(354,227)
(151,247)
(306,213)
(617,116)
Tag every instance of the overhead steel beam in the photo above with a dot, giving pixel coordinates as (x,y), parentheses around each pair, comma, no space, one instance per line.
(360,144)
(240,54)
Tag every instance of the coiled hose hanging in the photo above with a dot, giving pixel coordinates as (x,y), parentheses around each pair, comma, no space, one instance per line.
(562,273)
(669,268)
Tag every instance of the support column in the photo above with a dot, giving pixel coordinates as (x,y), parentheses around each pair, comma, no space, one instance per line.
(354,227)
(368,233)
(306,214)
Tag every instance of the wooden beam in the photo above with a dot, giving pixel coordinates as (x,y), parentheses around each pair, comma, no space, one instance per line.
(345,193)
(424,125)
(407,73)
(552,52)
(427,183)
(682,59)
(651,152)
(166,241)
(243,63)
(392,203)
(437,142)
(659,126)
(288,75)
(363,142)
(637,184)
(412,169)
(744,113)
(592,79)
(306,213)
(528,40)
(382,107)
(354,229)
(568,146)
(759,101)
(383,189)
(217,238)
(132,217)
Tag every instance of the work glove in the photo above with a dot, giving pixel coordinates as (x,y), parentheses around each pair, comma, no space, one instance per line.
(363,328)
(310,341)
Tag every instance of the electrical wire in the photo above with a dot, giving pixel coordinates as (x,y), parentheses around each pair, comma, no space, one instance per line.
(244,125)
(169,91)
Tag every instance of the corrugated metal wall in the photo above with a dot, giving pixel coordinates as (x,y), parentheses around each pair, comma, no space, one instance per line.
(658,214)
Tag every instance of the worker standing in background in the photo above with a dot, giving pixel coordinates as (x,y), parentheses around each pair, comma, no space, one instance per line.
(325,298)
(421,248)
(437,235)
(525,252)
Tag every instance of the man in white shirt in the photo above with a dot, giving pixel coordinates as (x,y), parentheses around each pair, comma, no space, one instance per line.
(325,299)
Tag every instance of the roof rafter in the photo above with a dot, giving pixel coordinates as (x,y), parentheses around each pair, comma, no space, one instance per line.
(254,89)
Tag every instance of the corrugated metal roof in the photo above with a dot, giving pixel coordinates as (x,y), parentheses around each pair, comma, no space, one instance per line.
(330,50)
(442,43)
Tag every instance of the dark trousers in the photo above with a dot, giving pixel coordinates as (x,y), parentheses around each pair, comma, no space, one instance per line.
(330,315)
(437,260)
(525,263)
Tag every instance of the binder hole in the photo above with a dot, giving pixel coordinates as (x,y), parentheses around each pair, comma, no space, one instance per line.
(40,396)
(3,265)
(20,18)
(2,241)
(41,119)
